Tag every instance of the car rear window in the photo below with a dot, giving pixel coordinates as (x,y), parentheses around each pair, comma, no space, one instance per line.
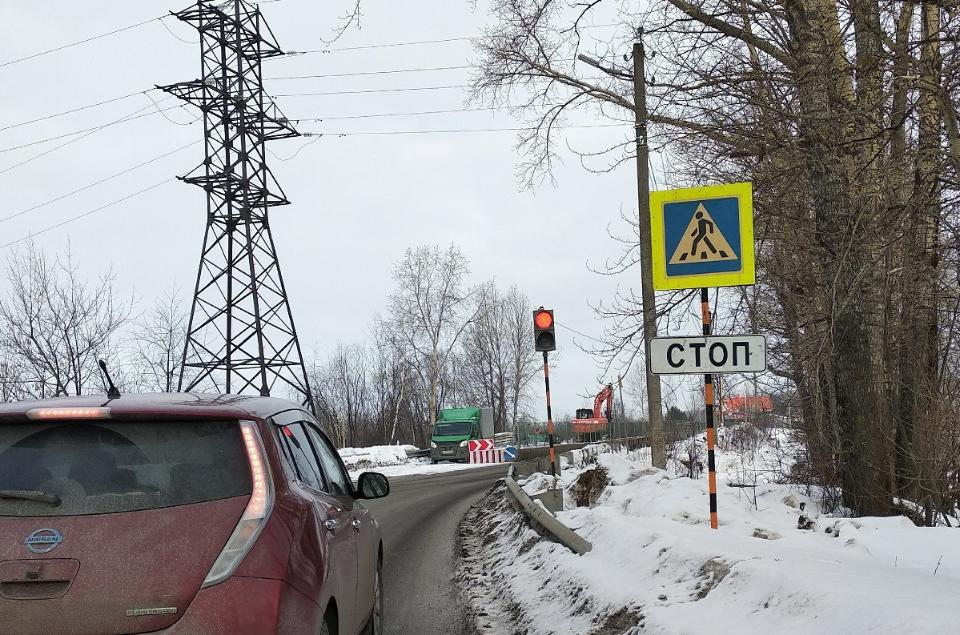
(68,468)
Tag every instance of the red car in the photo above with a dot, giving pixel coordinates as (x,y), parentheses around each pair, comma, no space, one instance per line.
(182,514)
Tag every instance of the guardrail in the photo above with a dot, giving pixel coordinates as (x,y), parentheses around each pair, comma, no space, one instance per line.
(631,443)
(542,520)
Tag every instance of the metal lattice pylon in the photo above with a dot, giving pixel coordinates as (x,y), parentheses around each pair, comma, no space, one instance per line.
(241,337)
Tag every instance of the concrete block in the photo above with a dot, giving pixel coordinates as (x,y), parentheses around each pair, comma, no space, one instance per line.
(552,499)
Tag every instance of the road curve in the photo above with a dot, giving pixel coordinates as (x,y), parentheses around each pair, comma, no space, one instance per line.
(419,521)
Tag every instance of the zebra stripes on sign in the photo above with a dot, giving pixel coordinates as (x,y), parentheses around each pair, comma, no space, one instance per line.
(487,456)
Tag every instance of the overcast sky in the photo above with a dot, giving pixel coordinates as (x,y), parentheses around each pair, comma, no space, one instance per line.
(358,201)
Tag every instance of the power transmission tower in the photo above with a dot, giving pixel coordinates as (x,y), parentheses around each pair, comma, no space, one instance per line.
(241,337)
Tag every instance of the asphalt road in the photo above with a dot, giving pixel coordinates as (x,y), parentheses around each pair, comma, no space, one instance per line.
(419,521)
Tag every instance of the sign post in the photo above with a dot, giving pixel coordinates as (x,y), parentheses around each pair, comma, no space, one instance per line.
(703,237)
(708,408)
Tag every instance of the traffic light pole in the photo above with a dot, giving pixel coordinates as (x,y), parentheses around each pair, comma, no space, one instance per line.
(546,384)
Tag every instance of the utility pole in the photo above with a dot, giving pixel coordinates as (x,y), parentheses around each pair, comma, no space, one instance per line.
(657,446)
(655,414)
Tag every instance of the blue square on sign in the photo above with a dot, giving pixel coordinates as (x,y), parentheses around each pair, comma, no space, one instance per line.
(702,236)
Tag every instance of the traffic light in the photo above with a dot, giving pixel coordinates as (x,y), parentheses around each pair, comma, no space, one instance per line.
(544,338)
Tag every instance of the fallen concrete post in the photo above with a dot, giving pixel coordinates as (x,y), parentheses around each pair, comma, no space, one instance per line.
(542,520)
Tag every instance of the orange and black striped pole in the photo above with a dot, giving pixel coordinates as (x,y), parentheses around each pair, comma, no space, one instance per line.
(546,384)
(708,406)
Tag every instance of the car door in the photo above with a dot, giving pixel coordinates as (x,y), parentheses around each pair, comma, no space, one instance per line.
(333,517)
(362,523)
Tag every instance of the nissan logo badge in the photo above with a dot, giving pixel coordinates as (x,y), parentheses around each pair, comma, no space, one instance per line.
(43,540)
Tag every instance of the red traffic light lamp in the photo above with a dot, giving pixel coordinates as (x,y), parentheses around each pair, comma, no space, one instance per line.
(544,337)
(543,319)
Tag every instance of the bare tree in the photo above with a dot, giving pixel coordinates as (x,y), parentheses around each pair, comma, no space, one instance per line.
(341,394)
(157,344)
(637,388)
(54,324)
(429,310)
(524,366)
(496,361)
(391,384)
(14,383)
(483,364)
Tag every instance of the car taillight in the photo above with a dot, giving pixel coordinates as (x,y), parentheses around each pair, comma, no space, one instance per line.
(254,516)
(68,413)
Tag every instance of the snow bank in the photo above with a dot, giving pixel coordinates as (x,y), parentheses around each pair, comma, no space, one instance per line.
(392,460)
(424,466)
(745,454)
(656,563)
(375,456)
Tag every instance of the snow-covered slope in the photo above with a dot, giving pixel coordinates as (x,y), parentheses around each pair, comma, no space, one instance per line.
(655,562)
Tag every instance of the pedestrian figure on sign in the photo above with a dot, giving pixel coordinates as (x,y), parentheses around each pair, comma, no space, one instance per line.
(700,234)
(702,240)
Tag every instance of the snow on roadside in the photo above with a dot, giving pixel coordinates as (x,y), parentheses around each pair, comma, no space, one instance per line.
(392,460)
(745,454)
(420,466)
(375,456)
(657,566)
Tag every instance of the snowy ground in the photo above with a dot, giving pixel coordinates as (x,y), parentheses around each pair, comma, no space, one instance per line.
(746,455)
(392,460)
(657,567)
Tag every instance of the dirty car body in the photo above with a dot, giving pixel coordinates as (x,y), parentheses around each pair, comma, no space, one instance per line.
(178,513)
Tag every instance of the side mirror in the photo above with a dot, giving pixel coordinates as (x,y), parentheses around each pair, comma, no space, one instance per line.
(372,485)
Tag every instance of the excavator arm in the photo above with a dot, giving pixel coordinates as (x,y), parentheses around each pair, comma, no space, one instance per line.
(604,396)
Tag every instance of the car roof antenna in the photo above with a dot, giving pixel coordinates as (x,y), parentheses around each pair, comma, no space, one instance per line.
(112,392)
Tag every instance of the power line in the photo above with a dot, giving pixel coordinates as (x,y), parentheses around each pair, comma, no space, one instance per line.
(79,42)
(394,114)
(96,183)
(572,330)
(413,43)
(88,213)
(447,131)
(94,128)
(78,109)
(156,105)
(299,150)
(403,114)
(171,32)
(377,46)
(401,90)
(366,73)
(77,138)
(375,90)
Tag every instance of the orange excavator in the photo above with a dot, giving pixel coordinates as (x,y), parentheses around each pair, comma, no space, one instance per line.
(591,425)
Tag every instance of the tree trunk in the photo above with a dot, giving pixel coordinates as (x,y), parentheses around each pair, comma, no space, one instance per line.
(844,211)
(918,356)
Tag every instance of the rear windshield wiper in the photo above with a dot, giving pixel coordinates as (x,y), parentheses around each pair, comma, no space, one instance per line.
(30,495)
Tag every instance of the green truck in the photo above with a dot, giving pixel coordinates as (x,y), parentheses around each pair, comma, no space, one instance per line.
(454,428)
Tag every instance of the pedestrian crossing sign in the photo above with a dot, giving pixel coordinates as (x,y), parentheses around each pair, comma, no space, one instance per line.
(702,237)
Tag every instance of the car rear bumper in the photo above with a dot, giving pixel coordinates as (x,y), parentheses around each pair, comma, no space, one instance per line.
(248,606)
